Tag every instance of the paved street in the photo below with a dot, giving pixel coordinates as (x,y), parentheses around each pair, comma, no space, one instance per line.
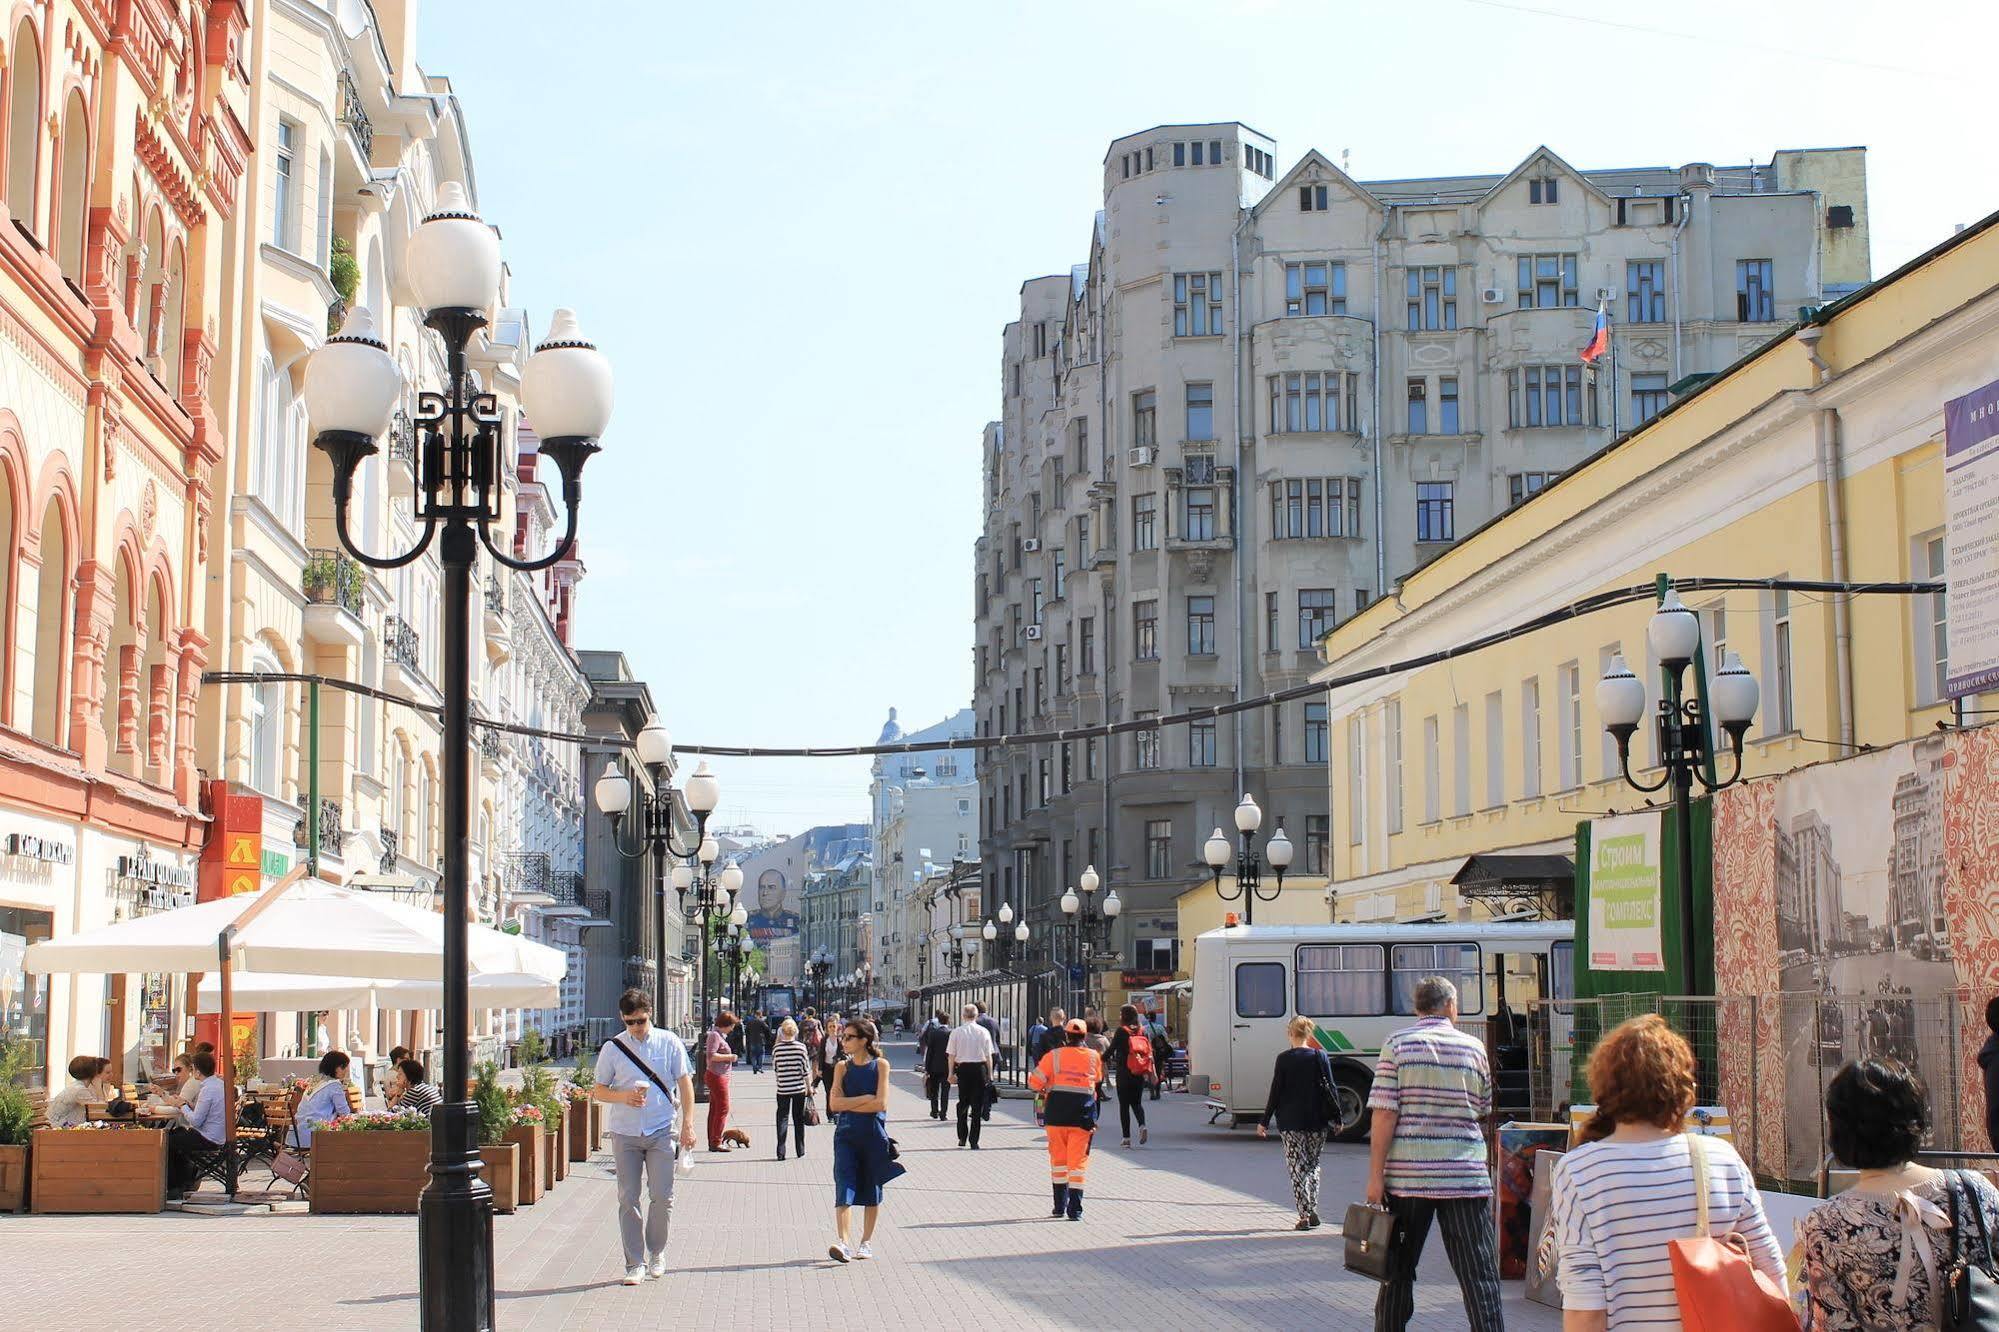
(1191,1230)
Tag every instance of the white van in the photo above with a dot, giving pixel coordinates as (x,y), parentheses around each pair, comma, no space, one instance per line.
(1355,982)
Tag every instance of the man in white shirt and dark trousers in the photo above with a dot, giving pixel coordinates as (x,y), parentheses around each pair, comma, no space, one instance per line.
(970,1051)
(643,1078)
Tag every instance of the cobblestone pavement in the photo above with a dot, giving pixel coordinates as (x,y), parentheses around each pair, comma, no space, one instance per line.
(1191,1230)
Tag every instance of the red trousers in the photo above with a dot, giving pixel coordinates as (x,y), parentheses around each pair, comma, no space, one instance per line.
(718,1107)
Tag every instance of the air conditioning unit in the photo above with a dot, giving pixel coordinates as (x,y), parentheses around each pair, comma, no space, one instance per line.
(1034,633)
(1494,296)
(1141,456)
(1030,546)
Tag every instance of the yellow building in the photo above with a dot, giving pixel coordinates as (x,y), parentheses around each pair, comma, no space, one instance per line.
(1818,456)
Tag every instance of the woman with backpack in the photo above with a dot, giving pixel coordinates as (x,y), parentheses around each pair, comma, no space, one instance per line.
(1298,1103)
(1130,1059)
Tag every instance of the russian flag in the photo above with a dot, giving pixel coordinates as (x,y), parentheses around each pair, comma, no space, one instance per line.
(1599,341)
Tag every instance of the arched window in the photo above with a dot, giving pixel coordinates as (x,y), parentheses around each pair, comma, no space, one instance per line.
(267,729)
(426,820)
(121,668)
(153,257)
(399,793)
(156,689)
(173,328)
(54,608)
(71,225)
(10,537)
(298,430)
(24,124)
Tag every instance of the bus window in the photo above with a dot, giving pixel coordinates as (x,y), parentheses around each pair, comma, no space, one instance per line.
(1456,963)
(1562,970)
(1341,980)
(1259,989)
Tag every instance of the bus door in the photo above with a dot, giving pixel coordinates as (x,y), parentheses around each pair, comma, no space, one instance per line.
(1259,1008)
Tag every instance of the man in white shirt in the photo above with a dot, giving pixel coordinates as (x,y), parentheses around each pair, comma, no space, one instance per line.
(970,1050)
(202,1128)
(641,1112)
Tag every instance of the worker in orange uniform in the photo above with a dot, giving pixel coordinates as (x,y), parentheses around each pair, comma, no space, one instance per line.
(1069,1074)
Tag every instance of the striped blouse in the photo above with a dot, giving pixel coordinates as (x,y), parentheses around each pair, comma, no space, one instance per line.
(793,1066)
(1435,1078)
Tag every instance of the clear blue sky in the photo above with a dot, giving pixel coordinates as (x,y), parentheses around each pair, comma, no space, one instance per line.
(798,230)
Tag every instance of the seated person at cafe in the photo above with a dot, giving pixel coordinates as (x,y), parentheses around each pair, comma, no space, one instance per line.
(391,1089)
(410,1088)
(201,1128)
(324,1103)
(87,1083)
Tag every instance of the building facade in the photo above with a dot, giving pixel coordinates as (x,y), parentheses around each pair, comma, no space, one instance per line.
(925,816)
(1264,398)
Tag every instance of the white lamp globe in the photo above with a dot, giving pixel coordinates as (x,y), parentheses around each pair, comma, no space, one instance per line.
(989,932)
(732,878)
(654,743)
(1020,932)
(613,791)
(351,382)
(1279,850)
(709,851)
(1620,697)
(1735,693)
(1111,904)
(1088,883)
(704,791)
(1216,850)
(1674,632)
(566,387)
(738,917)
(1069,902)
(453,257)
(1248,816)
(683,877)
(1006,913)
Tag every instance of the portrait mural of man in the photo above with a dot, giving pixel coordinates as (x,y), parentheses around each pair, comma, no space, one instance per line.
(771,920)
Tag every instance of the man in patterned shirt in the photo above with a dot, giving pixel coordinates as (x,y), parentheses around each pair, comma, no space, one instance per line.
(1426,1158)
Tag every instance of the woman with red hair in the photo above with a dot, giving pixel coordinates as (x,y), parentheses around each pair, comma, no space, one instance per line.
(1630,1187)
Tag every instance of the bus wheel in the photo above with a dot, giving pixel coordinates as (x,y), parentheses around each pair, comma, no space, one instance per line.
(1351,1088)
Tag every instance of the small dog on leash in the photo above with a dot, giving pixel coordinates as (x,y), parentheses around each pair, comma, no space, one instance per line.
(735,1137)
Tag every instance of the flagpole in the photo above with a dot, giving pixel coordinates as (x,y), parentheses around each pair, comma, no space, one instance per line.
(1610,333)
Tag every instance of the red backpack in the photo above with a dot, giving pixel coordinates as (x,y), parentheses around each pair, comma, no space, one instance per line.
(1138,1054)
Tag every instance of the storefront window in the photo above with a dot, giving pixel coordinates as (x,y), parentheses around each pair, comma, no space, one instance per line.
(24,999)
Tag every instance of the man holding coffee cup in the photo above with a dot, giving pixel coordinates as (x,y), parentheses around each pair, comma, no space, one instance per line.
(644,1078)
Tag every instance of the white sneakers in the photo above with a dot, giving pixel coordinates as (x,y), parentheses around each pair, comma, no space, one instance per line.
(634,1275)
(865,1251)
(656,1266)
(838,1252)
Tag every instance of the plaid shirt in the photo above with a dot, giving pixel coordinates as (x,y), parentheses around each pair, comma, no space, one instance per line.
(1436,1080)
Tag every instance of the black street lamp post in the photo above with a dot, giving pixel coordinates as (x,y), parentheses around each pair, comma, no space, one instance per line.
(352,386)
(1004,934)
(1086,921)
(1248,866)
(1686,742)
(817,968)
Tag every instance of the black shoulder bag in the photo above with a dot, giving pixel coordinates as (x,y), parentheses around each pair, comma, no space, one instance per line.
(1969,1300)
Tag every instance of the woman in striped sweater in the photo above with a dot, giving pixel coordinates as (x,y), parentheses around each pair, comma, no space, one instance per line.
(792,1063)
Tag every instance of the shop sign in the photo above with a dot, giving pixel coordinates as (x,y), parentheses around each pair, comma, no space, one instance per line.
(146,885)
(1138,980)
(276,864)
(25,846)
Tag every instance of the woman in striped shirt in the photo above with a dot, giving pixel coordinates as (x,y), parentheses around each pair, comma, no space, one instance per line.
(792,1063)
(1630,1188)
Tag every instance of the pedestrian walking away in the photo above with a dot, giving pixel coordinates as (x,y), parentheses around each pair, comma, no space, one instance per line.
(863,1158)
(1162,1051)
(1132,1068)
(1433,1167)
(1299,1085)
(829,1054)
(970,1050)
(999,1048)
(792,1063)
(757,1034)
(721,1057)
(1052,1038)
(644,1078)
(1070,1076)
(1099,1043)
(935,1059)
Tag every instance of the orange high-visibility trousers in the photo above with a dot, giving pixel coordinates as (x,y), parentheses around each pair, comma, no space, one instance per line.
(1068,1153)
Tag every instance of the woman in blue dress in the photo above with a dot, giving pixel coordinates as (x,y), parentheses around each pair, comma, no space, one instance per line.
(858,1095)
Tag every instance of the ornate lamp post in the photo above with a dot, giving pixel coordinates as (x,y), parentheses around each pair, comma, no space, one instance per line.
(1686,744)
(1248,867)
(1084,921)
(956,954)
(1006,932)
(735,945)
(817,968)
(352,385)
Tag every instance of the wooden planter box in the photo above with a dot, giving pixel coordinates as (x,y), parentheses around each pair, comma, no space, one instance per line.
(558,1160)
(500,1167)
(533,1181)
(580,1145)
(98,1170)
(596,1126)
(369,1172)
(13,1178)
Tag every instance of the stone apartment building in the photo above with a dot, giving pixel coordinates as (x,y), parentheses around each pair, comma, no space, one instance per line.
(1266,397)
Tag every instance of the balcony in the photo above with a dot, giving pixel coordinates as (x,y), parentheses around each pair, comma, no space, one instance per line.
(402,651)
(499,643)
(330,835)
(355,117)
(334,587)
(492,754)
(402,455)
(527,877)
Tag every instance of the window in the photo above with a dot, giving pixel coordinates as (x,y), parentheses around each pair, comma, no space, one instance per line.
(1041,787)
(1315,615)
(1546,281)
(1311,198)
(1523,486)
(1755,294)
(1145,419)
(1197,305)
(1318,838)
(1391,740)
(1419,408)
(1179,154)
(1432,797)
(1456,963)
(1495,750)
(1259,989)
(1270,643)
(1309,401)
(1645,291)
(1436,511)
(1156,955)
(1144,526)
(1068,768)
(1549,395)
(1265,166)
(1432,298)
(1061,669)
(1461,760)
(1315,732)
(1340,980)
(1158,845)
(1315,507)
(1082,539)
(1086,646)
(1199,518)
(1648,398)
(1145,630)
(24,126)
(1447,406)
(284,198)
(1356,780)
(267,729)
(1201,743)
(1061,573)
(1277,733)
(1541,190)
(1034,601)
(1200,411)
(1201,626)
(1933,625)
(1782,711)
(1530,738)
(1569,680)
(1041,338)
(1315,288)
(1079,436)
(1090,759)
(1040,690)
(1016,379)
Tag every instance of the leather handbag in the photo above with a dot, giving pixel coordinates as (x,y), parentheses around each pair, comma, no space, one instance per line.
(1370,1239)
(1970,1298)
(1719,1289)
(812,1117)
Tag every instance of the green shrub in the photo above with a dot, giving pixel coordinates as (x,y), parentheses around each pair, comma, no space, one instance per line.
(495,1115)
(17,1116)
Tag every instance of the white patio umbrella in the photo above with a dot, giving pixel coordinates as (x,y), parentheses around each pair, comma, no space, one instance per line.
(268,993)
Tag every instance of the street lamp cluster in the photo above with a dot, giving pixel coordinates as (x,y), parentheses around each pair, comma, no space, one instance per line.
(1085,919)
(1006,932)
(352,387)
(1248,866)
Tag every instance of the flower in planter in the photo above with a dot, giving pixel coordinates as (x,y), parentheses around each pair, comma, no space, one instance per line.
(528,1114)
(379,1122)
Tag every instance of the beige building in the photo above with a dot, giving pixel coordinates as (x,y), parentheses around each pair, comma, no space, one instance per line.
(1267,396)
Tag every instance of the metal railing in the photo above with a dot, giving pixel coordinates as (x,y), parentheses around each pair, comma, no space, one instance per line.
(355,116)
(402,439)
(527,871)
(329,827)
(566,887)
(331,578)
(400,641)
(496,597)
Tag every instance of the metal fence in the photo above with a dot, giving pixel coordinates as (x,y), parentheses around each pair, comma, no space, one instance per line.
(1767,1060)
(1012,1000)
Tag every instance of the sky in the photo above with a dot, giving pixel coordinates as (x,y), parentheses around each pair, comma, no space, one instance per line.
(799,229)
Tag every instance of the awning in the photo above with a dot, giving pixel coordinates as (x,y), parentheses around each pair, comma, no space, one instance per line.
(262,992)
(1526,871)
(1171,987)
(1519,886)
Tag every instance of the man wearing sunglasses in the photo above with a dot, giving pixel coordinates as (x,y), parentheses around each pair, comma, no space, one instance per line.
(643,1078)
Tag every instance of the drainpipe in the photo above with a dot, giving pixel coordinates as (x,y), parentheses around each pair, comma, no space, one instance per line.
(1678,226)
(1826,431)
(1374,426)
(1235,491)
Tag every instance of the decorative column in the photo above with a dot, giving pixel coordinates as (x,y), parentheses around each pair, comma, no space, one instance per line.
(95,593)
(159,722)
